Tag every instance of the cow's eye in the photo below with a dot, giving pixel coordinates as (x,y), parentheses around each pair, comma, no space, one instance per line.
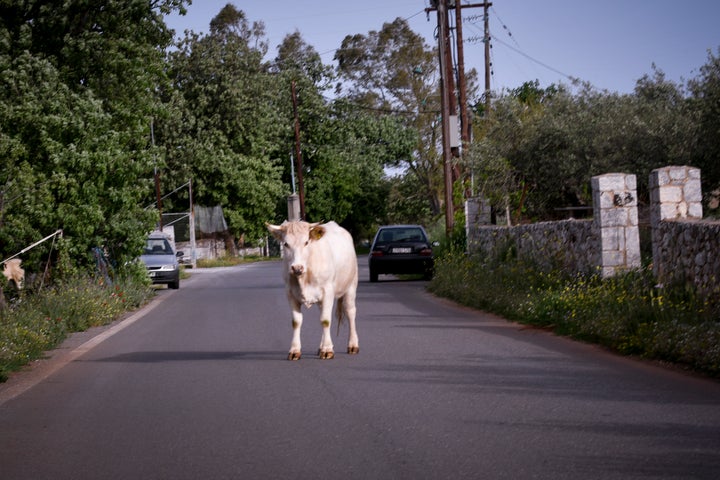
(285,244)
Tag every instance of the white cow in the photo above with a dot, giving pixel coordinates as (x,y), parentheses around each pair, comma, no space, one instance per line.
(319,266)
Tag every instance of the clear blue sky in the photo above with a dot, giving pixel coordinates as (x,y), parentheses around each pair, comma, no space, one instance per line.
(609,43)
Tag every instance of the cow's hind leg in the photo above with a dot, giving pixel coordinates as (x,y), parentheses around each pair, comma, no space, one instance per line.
(297,319)
(326,350)
(349,310)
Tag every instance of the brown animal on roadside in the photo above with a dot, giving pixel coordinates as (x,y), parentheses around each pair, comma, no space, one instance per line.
(13,272)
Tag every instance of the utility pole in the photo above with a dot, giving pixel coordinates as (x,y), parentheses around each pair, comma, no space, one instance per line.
(486,23)
(298,155)
(448,100)
(156,175)
(462,84)
(445,107)
(191,227)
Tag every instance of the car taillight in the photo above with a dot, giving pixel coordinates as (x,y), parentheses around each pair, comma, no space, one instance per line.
(426,252)
(377,253)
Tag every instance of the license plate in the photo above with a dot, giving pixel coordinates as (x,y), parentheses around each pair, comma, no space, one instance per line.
(402,250)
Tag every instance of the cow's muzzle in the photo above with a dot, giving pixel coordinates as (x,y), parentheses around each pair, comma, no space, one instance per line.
(297,270)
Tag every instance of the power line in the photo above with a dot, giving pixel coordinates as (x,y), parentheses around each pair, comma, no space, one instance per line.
(545,65)
(478,38)
(505,27)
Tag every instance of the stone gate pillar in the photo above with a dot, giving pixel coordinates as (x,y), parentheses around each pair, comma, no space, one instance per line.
(615,216)
(477,212)
(675,193)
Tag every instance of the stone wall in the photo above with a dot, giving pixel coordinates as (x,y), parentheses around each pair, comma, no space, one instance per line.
(688,251)
(570,245)
(609,242)
(685,248)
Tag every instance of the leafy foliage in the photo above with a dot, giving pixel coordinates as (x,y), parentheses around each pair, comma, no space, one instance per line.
(395,72)
(78,81)
(553,141)
(221,132)
(704,107)
(83,81)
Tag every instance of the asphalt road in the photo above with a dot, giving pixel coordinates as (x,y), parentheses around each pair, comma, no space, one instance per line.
(197,386)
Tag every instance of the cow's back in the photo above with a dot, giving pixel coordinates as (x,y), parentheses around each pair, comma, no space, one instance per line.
(345,259)
(339,243)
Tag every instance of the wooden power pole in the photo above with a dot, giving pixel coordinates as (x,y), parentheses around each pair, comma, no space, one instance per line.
(486,29)
(447,89)
(445,107)
(298,153)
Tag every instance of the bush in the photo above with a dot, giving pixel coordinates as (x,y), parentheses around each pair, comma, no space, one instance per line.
(228,261)
(628,313)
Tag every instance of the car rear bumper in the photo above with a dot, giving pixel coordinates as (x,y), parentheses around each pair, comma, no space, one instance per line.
(401,265)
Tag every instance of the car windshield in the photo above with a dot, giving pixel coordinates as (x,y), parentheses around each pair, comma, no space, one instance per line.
(399,235)
(157,246)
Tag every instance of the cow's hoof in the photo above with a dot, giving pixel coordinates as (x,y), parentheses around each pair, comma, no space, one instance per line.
(294,356)
(326,355)
(354,350)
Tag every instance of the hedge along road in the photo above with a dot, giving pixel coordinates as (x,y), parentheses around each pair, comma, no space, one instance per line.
(198,386)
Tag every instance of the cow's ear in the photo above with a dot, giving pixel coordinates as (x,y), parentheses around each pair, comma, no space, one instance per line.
(316,232)
(276,230)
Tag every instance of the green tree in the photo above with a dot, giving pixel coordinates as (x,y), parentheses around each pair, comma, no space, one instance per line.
(347,181)
(393,71)
(345,147)
(557,141)
(225,123)
(705,111)
(78,87)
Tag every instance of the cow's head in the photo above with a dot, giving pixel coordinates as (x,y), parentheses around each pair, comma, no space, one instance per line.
(296,239)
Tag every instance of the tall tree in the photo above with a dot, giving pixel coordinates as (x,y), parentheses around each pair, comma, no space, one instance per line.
(705,111)
(79,81)
(226,123)
(555,144)
(393,71)
(344,147)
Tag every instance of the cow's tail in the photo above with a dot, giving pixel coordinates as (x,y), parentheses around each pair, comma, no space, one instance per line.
(339,313)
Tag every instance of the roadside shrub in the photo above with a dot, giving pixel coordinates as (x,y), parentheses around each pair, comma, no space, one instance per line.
(39,322)
(628,313)
(226,261)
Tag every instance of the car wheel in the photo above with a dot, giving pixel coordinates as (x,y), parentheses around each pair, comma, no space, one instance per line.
(373,276)
(175,284)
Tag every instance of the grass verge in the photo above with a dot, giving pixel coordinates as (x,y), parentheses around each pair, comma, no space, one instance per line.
(34,323)
(627,313)
(229,261)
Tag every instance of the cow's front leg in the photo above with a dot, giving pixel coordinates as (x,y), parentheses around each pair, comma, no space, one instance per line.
(297,319)
(326,351)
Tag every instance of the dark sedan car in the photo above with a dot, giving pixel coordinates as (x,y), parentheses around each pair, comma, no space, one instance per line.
(401,249)
(161,261)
